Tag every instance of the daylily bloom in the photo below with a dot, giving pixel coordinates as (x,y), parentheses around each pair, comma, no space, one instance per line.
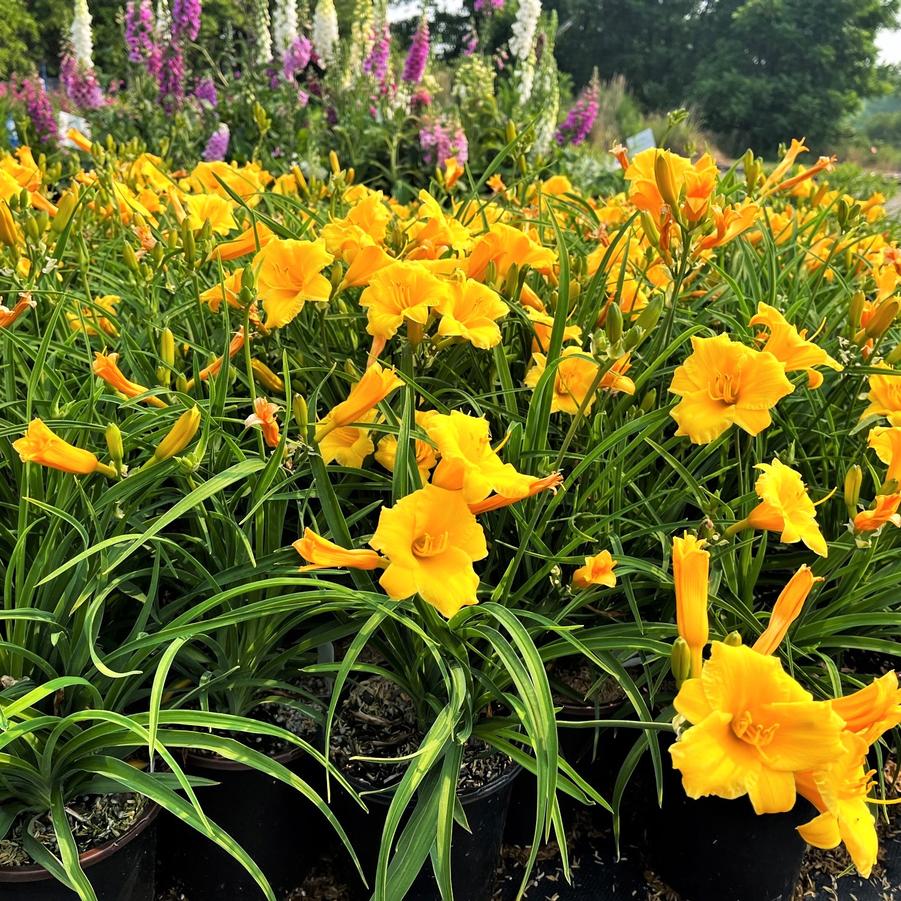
(753,727)
(264,416)
(724,383)
(786,610)
(386,453)
(885,396)
(348,445)
(106,367)
(235,345)
(228,289)
(728,223)
(471,310)
(884,511)
(431,540)
(90,322)
(839,789)
(398,293)
(8,317)
(887,444)
(791,347)
(375,385)
(598,570)
(452,172)
(691,572)
(252,239)
(43,446)
(574,376)
(211,208)
(505,246)
(289,273)
(320,553)
(543,325)
(467,461)
(784,507)
(496,501)
(873,710)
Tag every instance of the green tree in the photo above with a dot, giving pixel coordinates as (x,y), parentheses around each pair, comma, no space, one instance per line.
(18,32)
(649,42)
(769,70)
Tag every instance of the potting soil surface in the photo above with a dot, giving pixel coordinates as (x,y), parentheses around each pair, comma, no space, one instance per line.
(597,875)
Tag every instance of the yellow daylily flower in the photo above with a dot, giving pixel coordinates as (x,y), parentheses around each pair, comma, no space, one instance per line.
(885,395)
(723,383)
(791,347)
(43,446)
(471,310)
(216,210)
(598,570)
(320,553)
(691,573)
(574,376)
(787,609)
(884,511)
(288,274)
(106,368)
(753,727)
(374,386)
(431,541)
(400,292)
(872,710)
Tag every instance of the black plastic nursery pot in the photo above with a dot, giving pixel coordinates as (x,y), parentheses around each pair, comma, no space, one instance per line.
(714,849)
(475,855)
(120,870)
(264,816)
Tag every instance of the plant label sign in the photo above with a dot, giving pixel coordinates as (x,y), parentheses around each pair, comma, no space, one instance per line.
(644,140)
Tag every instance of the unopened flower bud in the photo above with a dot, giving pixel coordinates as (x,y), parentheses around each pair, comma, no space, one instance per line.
(853,483)
(883,317)
(179,436)
(115,446)
(613,324)
(266,377)
(680,661)
(130,258)
(301,414)
(733,639)
(856,309)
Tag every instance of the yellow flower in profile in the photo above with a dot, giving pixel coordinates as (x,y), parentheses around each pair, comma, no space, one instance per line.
(884,511)
(543,325)
(656,178)
(452,172)
(505,246)
(106,368)
(228,289)
(401,292)
(431,540)
(264,416)
(885,395)
(786,610)
(723,383)
(348,445)
(575,375)
(471,310)
(368,260)
(375,385)
(728,224)
(691,573)
(43,446)
(791,347)
(784,507)
(253,238)
(426,458)
(93,323)
(320,553)
(873,710)
(753,727)
(839,791)
(887,444)
(467,461)
(24,303)
(289,273)
(433,233)
(202,208)
(598,570)
(245,181)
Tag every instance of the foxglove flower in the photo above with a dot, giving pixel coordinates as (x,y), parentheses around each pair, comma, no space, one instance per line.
(418,55)
(205,91)
(297,57)
(139,30)
(80,84)
(440,141)
(285,29)
(325,32)
(263,32)
(186,19)
(171,77)
(524,28)
(217,145)
(376,63)
(80,36)
(40,110)
(581,118)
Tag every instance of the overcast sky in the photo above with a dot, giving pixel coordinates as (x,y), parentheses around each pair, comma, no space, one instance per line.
(889,43)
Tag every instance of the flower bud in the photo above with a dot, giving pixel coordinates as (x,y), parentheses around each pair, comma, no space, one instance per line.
(333,162)
(266,377)
(733,639)
(510,131)
(856,309)
(130,258)
(8,232)
(650,315)
(64,210)
(680,661)
(613,324)
(115,446)
(179,436)
(301,414)
(663,175)
(882,318)
(649,401)
(853,483)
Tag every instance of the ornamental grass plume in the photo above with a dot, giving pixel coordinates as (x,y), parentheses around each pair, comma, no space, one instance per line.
(417,55)
(579,121)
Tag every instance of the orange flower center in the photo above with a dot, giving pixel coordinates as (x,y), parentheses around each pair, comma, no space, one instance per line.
(753,733)
(427,545)
(724,387)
